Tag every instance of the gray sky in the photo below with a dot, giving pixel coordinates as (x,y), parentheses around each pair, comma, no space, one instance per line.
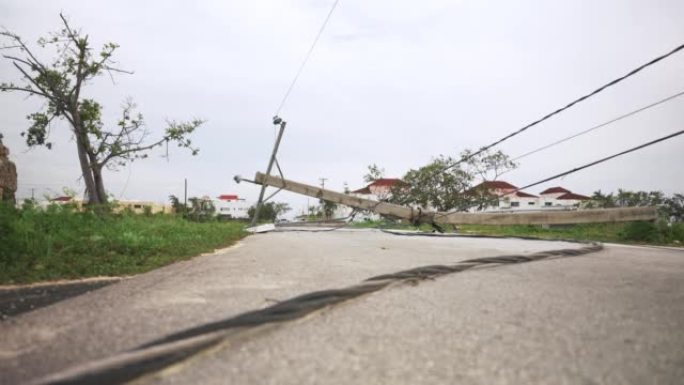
(390,82)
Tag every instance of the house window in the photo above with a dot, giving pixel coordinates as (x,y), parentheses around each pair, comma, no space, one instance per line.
(515,204)
(530,203)
(547,203)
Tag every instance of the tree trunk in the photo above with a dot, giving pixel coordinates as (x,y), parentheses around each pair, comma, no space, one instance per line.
(86,170)
(99,184)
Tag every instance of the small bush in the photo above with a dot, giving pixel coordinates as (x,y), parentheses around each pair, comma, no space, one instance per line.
(642,231)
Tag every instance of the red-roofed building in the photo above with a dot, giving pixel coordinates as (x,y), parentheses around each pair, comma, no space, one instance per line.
(554,190)
(231,206)
(380,189)
(228,197)
(510,198)
(64,199)
(494,187)
(560,197)
(573,196)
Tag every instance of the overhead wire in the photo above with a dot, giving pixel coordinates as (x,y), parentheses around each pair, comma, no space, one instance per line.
(567,106)
(664,138)
(565,173)
(596,127)
(306,58)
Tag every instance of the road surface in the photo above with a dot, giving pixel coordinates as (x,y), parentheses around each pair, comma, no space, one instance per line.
(610,317)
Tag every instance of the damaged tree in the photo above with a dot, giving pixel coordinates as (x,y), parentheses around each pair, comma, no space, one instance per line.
(60,83)
(445,187)
(8,175)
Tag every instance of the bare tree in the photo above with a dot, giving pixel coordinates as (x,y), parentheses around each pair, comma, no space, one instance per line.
(60,83)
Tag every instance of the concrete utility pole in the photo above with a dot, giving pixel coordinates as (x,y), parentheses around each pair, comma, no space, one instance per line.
(517,218)
(322,182)
(260,202)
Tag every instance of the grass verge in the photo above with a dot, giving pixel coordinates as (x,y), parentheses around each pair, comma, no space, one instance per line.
(645,233)
(59,243)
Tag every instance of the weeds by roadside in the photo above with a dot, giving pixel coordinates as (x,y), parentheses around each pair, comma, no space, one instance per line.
(61,243)
(652,233)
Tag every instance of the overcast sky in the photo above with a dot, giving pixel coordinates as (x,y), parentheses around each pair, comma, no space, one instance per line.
(390,82)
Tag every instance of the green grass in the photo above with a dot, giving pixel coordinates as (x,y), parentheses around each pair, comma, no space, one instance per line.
(647,233)
(650,233)
(59,243)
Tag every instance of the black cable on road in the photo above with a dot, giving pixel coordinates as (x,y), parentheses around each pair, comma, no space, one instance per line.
(558,111)
(664,138)
(158,354)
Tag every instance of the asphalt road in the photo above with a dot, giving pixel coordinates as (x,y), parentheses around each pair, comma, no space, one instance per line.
(612,317)
(15,300)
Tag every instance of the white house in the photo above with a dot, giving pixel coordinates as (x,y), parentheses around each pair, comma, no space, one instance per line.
(378,190)
(518,200)
(510,198)
(231,206)
(560,197)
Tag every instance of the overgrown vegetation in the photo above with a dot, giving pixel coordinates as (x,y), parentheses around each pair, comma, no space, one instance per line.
(641,232)
(652,233)
(60,243)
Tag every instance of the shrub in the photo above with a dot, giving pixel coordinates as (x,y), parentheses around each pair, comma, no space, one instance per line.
(642,231)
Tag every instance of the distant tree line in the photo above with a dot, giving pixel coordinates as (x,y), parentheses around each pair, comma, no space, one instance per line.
(669,207)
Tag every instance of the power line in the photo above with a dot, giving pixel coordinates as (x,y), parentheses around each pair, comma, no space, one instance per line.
(603,159)
(306,58)
(578,100)
(659,102)
(587,165)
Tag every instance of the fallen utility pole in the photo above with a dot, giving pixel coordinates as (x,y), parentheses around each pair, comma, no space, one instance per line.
(420,216)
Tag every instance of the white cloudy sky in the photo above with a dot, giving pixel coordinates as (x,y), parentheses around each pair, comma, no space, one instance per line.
(390,82)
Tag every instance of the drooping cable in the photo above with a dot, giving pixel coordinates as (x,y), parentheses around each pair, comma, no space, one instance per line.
(567,106)
(306,58)
(664,138)
(631,113)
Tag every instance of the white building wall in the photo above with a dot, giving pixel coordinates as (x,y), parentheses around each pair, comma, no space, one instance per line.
(550,200)
(237,209)
(515,203)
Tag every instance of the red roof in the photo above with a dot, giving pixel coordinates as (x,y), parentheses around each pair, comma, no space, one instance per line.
(365,190)
(387,182)
(522,194)
(570,195)
(228,197)
(382,182)
(62,199)
(495,184)
(555,190)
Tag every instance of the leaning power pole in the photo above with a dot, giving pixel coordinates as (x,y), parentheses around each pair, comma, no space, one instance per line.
(260,202)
